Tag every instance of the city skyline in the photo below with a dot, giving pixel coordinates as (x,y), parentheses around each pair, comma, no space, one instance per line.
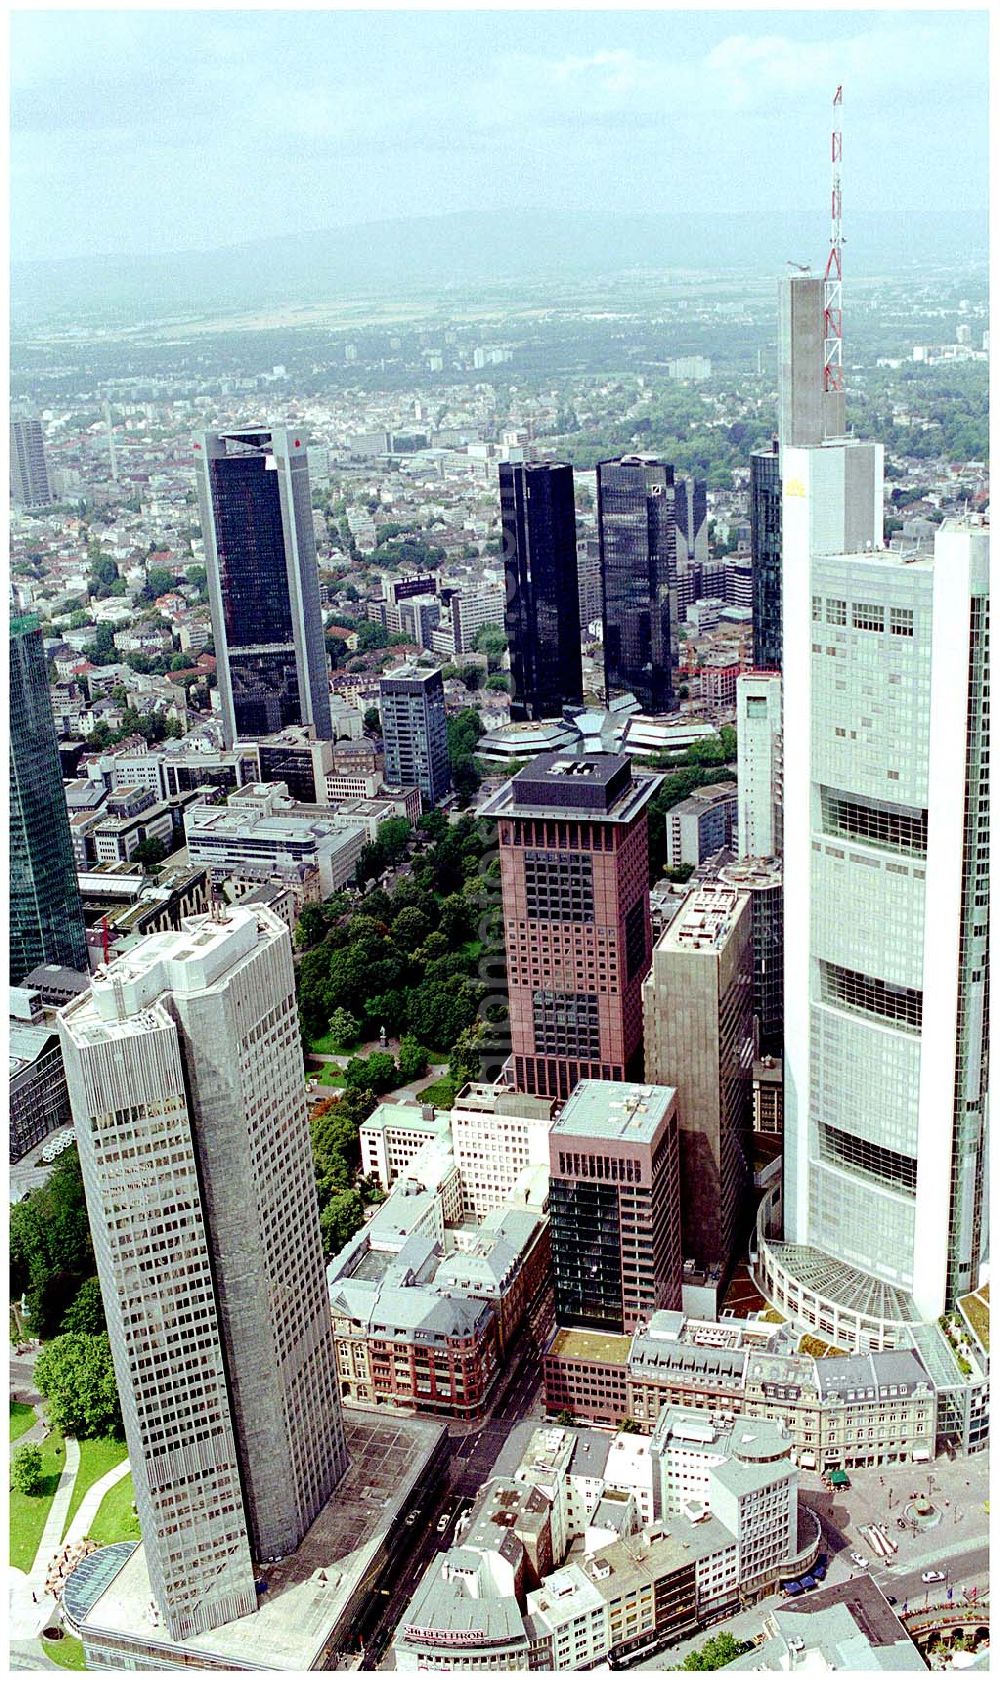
(500,796)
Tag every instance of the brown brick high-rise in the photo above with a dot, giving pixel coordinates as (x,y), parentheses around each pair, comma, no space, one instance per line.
(575,875)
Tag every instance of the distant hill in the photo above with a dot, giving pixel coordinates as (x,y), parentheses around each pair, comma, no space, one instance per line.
(461,250)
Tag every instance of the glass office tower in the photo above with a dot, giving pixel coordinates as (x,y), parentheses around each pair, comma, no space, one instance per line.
(260,552)
(765,556)
(46,917)
(542,620)
(638,536)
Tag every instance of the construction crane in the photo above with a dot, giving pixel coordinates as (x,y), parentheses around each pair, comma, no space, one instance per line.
(833,321)
(803,268)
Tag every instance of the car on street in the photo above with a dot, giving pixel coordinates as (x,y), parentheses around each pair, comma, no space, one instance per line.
(412,1518)
(859,1560)
(442,1525)
(933,1577)
(892,1601)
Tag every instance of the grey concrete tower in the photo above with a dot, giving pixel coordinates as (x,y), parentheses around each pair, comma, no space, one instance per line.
(415,731)
(29,474)
(806,413)
(263,586)
(698,1010)
(185,1078)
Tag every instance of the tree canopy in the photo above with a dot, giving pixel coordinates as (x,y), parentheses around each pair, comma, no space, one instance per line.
(76,1377)
(50,1249)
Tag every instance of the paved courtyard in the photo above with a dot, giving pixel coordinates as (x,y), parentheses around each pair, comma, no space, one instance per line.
(958,1491)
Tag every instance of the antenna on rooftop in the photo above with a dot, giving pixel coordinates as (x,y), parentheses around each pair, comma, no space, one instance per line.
(833,327)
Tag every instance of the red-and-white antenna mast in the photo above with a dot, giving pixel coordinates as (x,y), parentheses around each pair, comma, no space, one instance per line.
(833,300)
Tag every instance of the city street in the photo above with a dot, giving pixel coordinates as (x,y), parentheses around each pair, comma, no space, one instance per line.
(475,1448)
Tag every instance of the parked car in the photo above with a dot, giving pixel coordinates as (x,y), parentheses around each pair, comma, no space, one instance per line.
(412,1518)
(892,1601)
(933,1577)
(443,1523)
(859,1560)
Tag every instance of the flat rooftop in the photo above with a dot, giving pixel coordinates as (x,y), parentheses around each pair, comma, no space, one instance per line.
(706,919)
(300,1610)
(248,825)
(620,1111)
(487,1098)
(565,785)
(575,1344)
(752,874)
(395,1115)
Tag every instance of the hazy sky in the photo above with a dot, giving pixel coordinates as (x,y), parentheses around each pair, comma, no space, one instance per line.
(141,131)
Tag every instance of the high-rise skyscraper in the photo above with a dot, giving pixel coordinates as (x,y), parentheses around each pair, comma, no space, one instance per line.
(691,514)
(614,1201)
(638,536)
(46,917)
(184,1069)
(538,517)
(415,731)
(758,870)
(29,475)
(758,764)
(263,586)
(698,1003)
(765,556)
(807,412)
(761,879)
(886,924)
(574,865)
(807,415)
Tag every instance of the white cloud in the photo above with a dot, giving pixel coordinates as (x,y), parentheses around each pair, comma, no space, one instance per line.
(889,61)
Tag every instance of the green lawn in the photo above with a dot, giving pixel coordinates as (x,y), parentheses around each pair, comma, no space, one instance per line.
(331,1076)
(327,1044)
(114,1520)
(97,1457)
(22,1416)
(67,1652)
(27,1514)
(440,1093)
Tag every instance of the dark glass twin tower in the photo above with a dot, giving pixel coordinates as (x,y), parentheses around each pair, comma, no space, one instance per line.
(636,519)
(542,619)
(637,531)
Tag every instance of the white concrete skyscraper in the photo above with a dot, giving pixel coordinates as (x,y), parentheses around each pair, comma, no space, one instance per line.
(885,814)
(758,764)
(185,1075)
